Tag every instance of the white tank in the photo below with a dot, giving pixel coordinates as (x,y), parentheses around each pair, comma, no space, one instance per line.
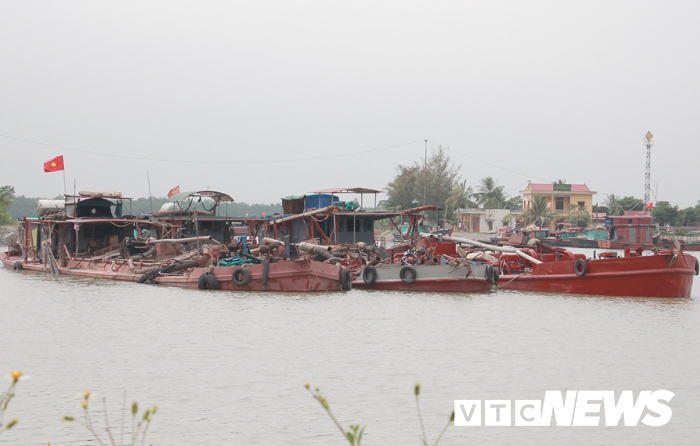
(44,207)
(171,207)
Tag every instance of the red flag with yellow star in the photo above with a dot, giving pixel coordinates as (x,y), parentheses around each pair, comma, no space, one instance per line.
(174,191)
(54,164)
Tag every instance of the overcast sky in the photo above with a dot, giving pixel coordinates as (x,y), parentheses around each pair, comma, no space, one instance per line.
(258,99)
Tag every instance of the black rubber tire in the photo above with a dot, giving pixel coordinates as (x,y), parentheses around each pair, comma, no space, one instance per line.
(345,279)
(369,275)
(697,267)
(207,281)
(17,266)
(489,274)
(580,267)
(496,275)
(265,273)
(245,280)
(407,274)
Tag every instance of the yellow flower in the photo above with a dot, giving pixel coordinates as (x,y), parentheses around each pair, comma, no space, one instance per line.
(16,375)
(87,394)
(84,404)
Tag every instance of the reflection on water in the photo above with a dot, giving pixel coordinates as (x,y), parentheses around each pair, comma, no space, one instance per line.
(229,368)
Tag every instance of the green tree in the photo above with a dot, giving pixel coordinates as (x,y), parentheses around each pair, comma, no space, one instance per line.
(514,202)
(579,217)
(402,191)
(461,196)
(631,203)
(664,213)
(537,211)
(688,217)
(438,181)
(489,194)
(7,194)
(560,181)
(611,202)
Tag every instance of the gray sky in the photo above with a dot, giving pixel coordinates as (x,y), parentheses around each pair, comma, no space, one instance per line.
(546,89)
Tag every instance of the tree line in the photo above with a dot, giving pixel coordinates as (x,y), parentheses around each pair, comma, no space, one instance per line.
(13,208)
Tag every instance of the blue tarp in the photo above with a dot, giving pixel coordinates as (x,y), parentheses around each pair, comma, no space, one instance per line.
(320,201)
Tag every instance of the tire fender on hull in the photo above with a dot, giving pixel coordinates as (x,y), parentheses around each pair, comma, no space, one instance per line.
(369,275)
(407,274)
(207,281)
(240,276)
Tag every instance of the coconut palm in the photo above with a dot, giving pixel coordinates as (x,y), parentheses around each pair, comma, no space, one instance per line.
(537,210)
(560,181)
(461,196)
(489,194)
(612,202)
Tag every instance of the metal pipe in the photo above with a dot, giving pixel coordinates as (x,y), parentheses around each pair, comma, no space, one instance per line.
(485,246)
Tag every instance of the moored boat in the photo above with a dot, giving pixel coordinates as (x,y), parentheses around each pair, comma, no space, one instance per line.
(554,269)
(85,238)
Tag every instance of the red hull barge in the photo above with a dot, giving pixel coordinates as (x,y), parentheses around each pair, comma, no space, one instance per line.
(643,276)
(557,270)
(292,276)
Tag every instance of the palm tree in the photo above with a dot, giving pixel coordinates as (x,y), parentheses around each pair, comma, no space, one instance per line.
(460,197)
(612,202)
(538,210)
(560,181)
(489,194)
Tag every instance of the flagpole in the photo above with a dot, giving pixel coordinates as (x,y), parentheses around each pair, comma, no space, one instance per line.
(65,190)
(150,195)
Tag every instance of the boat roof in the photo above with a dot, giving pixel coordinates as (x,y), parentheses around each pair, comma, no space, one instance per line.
(211,194)
(347,190)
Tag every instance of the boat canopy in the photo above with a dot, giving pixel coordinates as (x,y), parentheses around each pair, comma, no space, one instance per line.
(218,197)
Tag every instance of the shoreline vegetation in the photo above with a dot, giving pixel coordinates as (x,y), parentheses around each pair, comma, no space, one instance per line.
(435,181)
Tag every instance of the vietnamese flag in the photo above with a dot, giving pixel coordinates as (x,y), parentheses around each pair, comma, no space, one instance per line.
(54,164)
(650,205)
(174,190)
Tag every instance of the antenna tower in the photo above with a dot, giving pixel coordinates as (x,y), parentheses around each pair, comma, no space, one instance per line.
(647,176)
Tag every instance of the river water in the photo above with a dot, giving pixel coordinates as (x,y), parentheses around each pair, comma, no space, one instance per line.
(228,368)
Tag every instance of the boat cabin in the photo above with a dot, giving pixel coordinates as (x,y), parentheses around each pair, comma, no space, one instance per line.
(633,227)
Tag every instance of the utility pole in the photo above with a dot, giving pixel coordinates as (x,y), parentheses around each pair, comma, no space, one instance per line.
(425,171)
(647,175)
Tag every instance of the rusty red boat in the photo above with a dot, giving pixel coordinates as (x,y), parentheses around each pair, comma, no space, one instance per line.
(553,269)
(85,237)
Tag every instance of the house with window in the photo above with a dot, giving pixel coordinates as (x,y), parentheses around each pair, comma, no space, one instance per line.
(487,220)
(560,197)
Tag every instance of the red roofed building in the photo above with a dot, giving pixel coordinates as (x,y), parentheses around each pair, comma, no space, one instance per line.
(560,197)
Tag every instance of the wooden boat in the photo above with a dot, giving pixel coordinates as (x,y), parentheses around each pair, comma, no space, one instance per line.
(86,239)
(553,269)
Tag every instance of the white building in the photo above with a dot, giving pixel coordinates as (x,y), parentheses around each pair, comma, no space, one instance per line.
(487,220)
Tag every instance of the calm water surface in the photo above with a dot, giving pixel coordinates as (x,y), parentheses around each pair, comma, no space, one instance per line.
(228,368)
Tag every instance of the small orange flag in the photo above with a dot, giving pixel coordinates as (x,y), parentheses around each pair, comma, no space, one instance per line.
(174,190)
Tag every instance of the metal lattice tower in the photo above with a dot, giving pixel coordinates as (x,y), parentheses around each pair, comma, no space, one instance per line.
(647,175)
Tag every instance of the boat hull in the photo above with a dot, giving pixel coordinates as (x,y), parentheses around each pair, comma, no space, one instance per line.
(445,278)
(292,276)
(584,243)
(643,276)
(609,244)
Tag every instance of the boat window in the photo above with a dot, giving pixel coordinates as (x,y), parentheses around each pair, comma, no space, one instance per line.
(367,225)
(350,225)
